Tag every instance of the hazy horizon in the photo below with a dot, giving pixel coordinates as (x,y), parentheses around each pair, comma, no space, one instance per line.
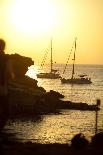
(28,25)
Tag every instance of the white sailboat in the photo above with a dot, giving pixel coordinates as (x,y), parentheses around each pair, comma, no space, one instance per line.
(53,74)
(81,79)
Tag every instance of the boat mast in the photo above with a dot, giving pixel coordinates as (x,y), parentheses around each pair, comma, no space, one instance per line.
(74,58)
(51,56)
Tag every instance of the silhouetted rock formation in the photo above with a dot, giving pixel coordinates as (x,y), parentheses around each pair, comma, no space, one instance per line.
(79,141)
(26,98)
(20,64)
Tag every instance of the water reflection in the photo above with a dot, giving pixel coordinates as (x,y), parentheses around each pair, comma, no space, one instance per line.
(54,128)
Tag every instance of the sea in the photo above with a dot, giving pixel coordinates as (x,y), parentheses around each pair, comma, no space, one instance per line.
(60,128)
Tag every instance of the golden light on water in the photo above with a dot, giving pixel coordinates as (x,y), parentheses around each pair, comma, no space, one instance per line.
(32,72)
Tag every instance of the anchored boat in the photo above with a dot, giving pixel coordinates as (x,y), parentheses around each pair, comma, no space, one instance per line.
(81,79)
(53,74)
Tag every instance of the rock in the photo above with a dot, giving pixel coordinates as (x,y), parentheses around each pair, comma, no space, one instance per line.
(20,64)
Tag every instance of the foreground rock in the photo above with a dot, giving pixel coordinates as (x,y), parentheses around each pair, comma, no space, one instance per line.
(95,147)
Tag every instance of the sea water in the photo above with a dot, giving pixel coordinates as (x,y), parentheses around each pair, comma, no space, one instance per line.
(62,127)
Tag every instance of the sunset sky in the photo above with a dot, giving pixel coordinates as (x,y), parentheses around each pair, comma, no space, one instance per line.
(28,25)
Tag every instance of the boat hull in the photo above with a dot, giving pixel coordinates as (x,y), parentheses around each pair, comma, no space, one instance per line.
(76,81)
(48,75)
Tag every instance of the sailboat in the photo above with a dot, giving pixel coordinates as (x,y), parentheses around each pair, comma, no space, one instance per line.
(81,79)
(53,74)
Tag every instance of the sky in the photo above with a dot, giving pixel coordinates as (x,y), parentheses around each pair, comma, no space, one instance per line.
(28,25)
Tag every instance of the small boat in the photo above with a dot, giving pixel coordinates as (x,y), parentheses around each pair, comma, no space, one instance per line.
(53,74)
(81,79)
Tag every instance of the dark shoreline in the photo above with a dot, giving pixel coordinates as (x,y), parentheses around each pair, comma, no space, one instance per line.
(29,148)
(25,99)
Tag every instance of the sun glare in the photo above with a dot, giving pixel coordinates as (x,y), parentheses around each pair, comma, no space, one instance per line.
(33,16)
(32,72)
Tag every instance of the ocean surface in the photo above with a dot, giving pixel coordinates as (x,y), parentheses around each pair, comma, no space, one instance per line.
(62,127)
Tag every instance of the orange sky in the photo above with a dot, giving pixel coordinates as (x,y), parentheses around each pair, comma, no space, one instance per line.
(27,26)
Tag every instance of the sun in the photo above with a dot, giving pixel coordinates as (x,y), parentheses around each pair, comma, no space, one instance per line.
(33,16)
